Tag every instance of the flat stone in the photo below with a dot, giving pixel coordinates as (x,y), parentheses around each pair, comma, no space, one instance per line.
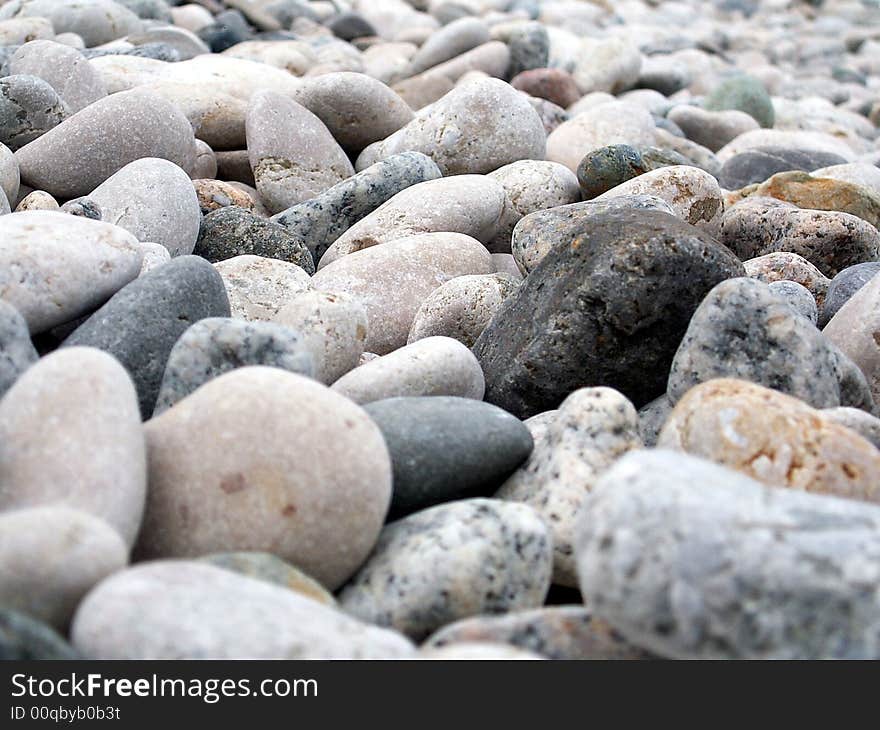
(844,285)
(55,267)
(141,322)
(50,557)
(29,107)
(452,561)
(70,435)
(591,430)
(17,353)
(433,366)
(607,306)
(25,638)
(259,287)
(217,345)
(322,514)
(785,266)
(681,556)
(189,610)
(761,163)
(444,448)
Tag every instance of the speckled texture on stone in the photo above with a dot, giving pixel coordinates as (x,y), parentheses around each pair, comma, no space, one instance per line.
(445,448)
(591,430)
(608,167)
(232,231)
(786,266)
(259,287)
(606,306)
(798,297)
(248,487)
(217,345)
(29,107)
(652,417)
(79,154)
(844,285)
(683,557)
(25,638)
(141,322)
(742,330)
(70,434)
(452,561)
(323,219)
(17,353)
(37,200)
(188,610)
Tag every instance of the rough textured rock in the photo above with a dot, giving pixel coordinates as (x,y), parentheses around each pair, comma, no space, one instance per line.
(248,488)
(452,561)
(29,107)
(785,266)
(607,167)
(726,551)
(259,287)
(630,282)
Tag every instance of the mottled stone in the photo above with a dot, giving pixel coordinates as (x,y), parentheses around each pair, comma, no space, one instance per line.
(323,219)
(25,638)
(742,330)
(215,194)
(760,163)
(37,200)
(443,448)
(554,632)
(50,557)
(528,43)
(608,167)
(217,345)
(452,561)
(179,609)
(55,267)
(683,557)
(591,430)
(233,231)
(475,128)
(797,297)
(293,155)
(70,434)
(652,417)
(141,322)
(785,266)
(79,154)
(259,287)
(432,366)
(844,285)
(17,353)
(245,486)
(606,306)
(745,93)
(29,107)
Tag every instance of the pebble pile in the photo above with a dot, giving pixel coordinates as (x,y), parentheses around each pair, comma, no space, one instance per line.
(437,329)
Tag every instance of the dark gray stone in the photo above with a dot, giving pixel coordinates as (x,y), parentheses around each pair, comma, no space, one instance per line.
(529,46)
(743,330)
(607,306)
(29,107)
(444,448)
(150,9)
(83,207)
(217,345)
(608,167)
(23,638)
(651,419)
(141,322)
(348,26)
(745,93)
(17,353)
(760,163)
(228,28)
(321,220)
(844,286)
(233,231)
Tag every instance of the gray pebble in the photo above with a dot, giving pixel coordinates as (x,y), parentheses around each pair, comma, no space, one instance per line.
(29,107)
(17,353)
(798,297)
(864,424)
(25,638)
(844,285)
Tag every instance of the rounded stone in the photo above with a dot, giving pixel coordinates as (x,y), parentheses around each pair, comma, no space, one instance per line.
(37,200)
(855,419)
(433,366)
(798,298)
(17,353)
(9,175)
(746,94)
(450,41)
(844,285)
(155,254)
(215,194)
(25,638)
(608,167)
(552,84)
(259,287)
(760,163)
(29,107)
(452,561)
(70,435)
(95,21)
(444,448)
(247,487)
(712,129)
(786,266)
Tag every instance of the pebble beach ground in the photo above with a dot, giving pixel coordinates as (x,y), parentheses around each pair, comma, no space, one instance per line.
(432,329)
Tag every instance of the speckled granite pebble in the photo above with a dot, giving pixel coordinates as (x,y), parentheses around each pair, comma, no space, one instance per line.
(258,287)
(786,266)
(29,107)
(797,297)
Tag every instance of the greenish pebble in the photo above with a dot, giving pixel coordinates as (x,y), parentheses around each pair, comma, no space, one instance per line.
(745,93)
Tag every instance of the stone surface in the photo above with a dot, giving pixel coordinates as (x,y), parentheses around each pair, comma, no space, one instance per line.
(25,638)
(785,266)
(29,107)
(70,435)
(141,322)
(248,488)
(444,448)
(683,557)
(17,353)
(758,164)
(745,93)
(452,561)
(95,21)
(450,41)
(607,167)
(552,84)
(855,419)
(9,175)
(630,282)
(712,129)
(844,285)
(258,287)
(797,297)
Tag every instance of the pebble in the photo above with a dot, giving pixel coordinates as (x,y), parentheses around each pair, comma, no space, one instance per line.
(450,41)
(9,175)
(785,266)
(743,330)
(70,435)
(232,231)
(334,327)
(857,173)
(864,424)
(432,366)
(95,21)
(607,167)
(293,155)
(50,557)
(155,254)
(76,156)
(746,94)
(797,297)
(141,322)
(552,84)
(611,65)
(446,448)
(55,267)
(573,322)
(217,345)
(17,353)
(250,481)
(25,638)
(452,561)
(591,430)
(773,438)
(37,200)
(760,163)
(393,279)
(712,129)
(29,107)
(181,609)
(844,285)
(474,129)
(683,557)
(215,194)
(258,287)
